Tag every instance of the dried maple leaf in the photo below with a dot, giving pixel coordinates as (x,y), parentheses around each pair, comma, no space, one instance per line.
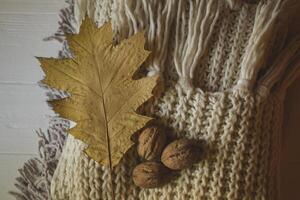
(104,96)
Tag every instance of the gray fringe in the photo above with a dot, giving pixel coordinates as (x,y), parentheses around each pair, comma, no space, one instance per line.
(65,24)
(35,176)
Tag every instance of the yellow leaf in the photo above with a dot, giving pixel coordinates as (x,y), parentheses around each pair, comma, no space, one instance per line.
(104,96)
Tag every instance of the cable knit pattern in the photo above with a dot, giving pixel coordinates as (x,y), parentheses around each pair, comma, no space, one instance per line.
(214,62)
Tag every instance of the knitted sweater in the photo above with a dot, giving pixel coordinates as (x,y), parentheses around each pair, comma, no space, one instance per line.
(225,67)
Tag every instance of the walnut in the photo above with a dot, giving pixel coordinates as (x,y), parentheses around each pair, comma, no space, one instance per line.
(151,143)
(150,175)
(181,153)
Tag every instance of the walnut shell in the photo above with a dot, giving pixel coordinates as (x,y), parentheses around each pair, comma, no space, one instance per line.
(151,143)
(181,154)
(150,175)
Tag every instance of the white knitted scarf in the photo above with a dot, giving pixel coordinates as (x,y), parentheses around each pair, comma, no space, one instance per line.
(225,66)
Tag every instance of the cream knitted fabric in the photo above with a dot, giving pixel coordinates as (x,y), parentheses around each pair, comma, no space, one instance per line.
(225,72)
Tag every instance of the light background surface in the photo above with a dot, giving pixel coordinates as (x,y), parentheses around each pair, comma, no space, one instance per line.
(23,25)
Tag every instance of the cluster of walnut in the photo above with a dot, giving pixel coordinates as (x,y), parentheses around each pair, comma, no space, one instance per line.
(161,158)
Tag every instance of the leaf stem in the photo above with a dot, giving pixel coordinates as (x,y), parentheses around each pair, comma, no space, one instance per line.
(107,135)
(109,153)
(108,144)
